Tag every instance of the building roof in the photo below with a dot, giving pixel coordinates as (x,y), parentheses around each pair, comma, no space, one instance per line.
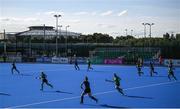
(41,27)
(49,31)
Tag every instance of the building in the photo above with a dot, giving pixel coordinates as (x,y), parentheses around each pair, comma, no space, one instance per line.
(39,31)
(8,35)
(31,42)
(46,31)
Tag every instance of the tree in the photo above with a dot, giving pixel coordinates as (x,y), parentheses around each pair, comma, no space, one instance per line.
(166,36)
(178,37)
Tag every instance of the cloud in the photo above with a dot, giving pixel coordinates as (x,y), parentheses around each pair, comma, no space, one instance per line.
(18,19)
(81,13)
(122,13)
(9,19)
(106,25)
(73,21)
(85,13)
(53,12)
(107,13)
(49,12)
(31,19)
(4,19)
(149,19)
(94,13)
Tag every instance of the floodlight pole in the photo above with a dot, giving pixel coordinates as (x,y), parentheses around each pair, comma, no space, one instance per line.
(150,24)
(59,35)
(131,32)
(66,39)
(60,26)
(126,31)
(30,47)
(4,42)
(57,16)
(44,38)
(144,29)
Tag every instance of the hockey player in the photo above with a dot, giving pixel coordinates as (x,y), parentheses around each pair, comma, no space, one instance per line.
(86,90)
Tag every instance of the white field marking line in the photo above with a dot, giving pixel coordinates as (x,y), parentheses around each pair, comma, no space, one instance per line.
(151,85)
(100,93)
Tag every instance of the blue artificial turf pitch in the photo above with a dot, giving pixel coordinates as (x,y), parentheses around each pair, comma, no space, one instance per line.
(23,90)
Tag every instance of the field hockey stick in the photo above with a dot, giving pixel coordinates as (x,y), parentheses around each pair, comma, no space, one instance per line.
(109,80)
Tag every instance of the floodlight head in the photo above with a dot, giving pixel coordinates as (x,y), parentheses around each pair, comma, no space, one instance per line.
(144,24)
(67,26)
(57,15)
(60,26)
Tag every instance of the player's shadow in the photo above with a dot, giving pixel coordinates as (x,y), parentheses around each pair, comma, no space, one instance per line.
(16,75)
(130,96)
(58,91)
(21,74)
(5,94)
(98,71)
(154,76)
(110,106)
(105,106)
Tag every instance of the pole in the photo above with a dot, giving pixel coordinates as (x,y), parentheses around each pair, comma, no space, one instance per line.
(56,33)
(150,24)
(56,36)
(66,41)
(44,38)
(57,16)
(144,29)
(59,35)
(30,53)
(5,42)
(126,31)
(16,43)
(131,32)
(150,30)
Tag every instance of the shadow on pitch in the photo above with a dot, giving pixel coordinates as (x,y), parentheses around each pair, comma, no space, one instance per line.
(21,74)
(58,91)
(5,94)
(98,71)
(138,97)
(155,76)
(104,105)
(16,75)
(110,106)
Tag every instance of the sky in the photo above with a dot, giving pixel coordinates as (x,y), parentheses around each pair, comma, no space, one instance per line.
(90,16)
